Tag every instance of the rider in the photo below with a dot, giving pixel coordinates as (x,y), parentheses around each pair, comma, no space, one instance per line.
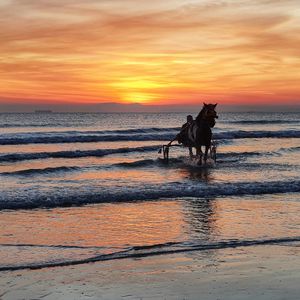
(181,137)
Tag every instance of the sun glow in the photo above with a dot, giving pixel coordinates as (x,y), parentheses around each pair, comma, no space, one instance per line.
(153,54)
(137,84)
(138,90)
(138,97)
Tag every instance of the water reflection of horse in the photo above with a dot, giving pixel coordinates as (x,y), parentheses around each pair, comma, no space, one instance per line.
(196,174)
(199,132)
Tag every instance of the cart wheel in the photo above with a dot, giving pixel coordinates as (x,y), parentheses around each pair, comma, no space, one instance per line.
(166,153)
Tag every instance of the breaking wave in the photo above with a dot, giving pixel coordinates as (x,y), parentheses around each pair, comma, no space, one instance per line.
(150,134)
(41,171)
(73,154)
(241,134)
(150,250)
(63,196)
(152,163)
(15,157)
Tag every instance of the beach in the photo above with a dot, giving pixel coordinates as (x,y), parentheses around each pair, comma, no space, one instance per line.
(90,210)
(249,250)
(258,272)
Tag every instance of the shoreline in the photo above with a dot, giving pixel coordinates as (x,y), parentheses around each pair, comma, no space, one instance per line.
(254,272)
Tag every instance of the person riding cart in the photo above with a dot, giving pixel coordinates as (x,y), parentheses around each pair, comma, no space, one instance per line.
(195,134)
(182,136)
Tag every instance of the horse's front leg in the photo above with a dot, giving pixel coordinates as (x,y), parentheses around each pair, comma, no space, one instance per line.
(199,154)
(191,152)
(205,154)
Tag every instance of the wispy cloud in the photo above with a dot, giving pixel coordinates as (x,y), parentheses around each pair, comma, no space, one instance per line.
(151,51)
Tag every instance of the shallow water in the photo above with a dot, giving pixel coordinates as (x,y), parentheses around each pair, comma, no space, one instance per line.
(134,202)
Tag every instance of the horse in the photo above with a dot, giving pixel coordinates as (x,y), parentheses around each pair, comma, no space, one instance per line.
(199,132)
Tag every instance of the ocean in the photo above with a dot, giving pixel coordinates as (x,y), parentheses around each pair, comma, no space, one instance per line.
(86,187)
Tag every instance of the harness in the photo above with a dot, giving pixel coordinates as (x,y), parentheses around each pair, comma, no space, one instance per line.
(199,133)
(192,132)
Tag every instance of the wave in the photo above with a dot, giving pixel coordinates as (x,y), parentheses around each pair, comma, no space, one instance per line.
(51,246)
(19,125)
(137,163)
(62,196)
(173,162)
(49,170)
(253,122)
(59,139)
(133,164)
(53,137)
(137,130)
(290,149)
(224,161)
(154,250)
(242,134)
(151,134)
(41,171)
(66,125)
(16,157)
(73,154)
(184,160)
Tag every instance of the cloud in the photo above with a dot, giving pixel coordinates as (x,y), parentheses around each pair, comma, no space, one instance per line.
(103,50)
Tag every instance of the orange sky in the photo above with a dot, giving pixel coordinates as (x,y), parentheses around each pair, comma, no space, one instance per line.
(153,52)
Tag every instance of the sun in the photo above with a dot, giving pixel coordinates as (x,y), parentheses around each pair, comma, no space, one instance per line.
(137,90)
(139,97)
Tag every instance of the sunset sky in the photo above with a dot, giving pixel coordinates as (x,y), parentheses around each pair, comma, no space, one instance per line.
(150,52)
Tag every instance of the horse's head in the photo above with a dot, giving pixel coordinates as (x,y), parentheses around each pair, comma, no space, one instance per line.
(208,111)
(208,114)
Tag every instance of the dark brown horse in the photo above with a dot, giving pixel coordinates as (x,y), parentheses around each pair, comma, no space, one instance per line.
(199,133)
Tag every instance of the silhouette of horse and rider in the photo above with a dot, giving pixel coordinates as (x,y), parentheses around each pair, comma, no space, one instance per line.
(197,133)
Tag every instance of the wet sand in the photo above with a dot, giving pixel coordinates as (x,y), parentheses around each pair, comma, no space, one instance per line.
(256,272)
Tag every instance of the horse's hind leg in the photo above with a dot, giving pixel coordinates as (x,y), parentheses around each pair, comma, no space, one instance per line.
(199,154)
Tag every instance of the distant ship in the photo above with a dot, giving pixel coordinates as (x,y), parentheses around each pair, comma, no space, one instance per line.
(43,111)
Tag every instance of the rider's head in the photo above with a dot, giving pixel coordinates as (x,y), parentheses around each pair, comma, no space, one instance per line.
(189,118)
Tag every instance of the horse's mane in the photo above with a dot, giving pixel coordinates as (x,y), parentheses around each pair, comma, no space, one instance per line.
(200,115)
